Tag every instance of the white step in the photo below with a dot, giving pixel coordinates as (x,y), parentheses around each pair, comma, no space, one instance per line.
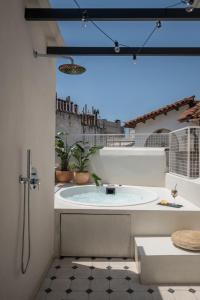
(160,262)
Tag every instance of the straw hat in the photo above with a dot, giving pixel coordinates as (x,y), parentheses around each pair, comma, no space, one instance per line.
(187,239)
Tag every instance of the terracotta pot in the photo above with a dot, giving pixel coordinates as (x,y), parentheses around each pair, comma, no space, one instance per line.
(64,176)
(81,177)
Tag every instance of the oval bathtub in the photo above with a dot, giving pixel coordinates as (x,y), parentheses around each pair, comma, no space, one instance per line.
(91,195)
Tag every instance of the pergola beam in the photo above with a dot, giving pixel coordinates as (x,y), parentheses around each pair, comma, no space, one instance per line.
(124,51)
(112,14)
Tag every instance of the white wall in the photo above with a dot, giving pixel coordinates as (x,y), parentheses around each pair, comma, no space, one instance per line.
(131,166)
(187,188)
(27,95)
(167,122)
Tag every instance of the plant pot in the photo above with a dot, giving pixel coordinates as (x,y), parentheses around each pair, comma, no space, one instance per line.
(81,177)
(63,176)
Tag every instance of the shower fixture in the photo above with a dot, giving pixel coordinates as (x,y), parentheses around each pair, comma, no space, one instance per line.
(70,69)
(30,182)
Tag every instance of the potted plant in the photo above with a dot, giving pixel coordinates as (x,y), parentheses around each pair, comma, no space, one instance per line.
(81,154)
(97,180)
(64,152)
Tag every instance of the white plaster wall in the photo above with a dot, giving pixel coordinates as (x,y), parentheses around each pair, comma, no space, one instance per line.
(187,188)
(167,122)
(131,166)
(27,97)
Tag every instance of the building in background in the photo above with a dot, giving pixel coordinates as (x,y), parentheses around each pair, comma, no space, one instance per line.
(74,122)
(177,115)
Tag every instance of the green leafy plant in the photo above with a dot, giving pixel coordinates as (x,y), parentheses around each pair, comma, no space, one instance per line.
(81,154)
(97,179)
(63,151)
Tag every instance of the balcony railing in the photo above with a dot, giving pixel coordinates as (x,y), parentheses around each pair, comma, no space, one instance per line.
(183,146)
(122,140)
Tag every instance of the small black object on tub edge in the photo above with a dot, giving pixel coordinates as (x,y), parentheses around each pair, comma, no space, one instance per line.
(110,190)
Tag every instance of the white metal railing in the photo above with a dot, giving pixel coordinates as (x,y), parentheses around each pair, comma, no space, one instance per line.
(151,140)
(122,140)
(184,146)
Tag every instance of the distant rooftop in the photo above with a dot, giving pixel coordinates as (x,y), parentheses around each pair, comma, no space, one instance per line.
(191,114)
(163,110)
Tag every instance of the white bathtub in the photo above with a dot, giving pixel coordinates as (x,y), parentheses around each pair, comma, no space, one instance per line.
(107,231)
(91,195)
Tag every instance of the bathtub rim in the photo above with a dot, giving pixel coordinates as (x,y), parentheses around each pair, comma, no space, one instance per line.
(57,195)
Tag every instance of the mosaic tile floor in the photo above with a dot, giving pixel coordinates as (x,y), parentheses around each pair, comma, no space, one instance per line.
(105,279)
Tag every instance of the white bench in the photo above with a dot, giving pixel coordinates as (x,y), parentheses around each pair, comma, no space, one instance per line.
(160,262)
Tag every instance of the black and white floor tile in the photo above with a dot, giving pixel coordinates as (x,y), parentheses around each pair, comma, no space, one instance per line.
(105,279)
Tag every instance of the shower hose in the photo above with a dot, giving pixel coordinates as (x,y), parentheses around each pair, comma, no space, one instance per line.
(26,208)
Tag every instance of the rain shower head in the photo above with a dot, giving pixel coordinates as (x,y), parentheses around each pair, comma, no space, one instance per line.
(70,69)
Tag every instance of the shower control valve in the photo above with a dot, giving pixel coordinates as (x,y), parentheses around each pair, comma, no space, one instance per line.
(22,179)
(34,179)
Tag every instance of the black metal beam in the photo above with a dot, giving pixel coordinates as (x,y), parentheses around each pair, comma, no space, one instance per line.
(110,14)
(109,51)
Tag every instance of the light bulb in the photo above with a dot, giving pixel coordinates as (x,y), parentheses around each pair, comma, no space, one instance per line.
(84,23)
(189,8)
(158,24)
(117,48)
(84,19)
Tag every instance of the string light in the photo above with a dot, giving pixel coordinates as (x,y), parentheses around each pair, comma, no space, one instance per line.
(158,24)
(134,59)
(189,5)
(117,45)
(175,4)
(84,19)
(189,8)
(116,48)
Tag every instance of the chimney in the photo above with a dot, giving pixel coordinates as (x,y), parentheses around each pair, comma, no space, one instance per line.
(56,103)
(75,108)
(64,105)
(68,98)
(71,107)
(68,103)
(59,104)
(118,122)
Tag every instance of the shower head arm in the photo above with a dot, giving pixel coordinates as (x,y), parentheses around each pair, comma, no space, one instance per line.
(37,54)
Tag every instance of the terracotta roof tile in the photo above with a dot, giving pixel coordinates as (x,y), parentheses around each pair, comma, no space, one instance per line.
(163,110)
(192,113)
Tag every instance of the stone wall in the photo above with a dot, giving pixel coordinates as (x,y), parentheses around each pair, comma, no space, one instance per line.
(71,121)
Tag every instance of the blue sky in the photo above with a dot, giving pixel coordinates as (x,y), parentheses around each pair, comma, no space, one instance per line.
(116,86)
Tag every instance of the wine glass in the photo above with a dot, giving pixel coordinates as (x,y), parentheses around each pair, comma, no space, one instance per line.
(174,192)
